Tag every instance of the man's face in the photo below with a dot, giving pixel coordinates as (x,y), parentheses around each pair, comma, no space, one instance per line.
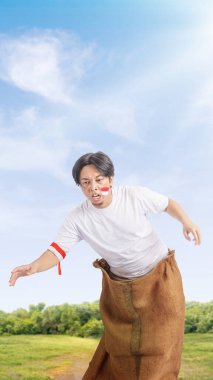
(91,182)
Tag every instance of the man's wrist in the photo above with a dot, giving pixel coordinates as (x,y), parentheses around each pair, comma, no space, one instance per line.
(186,222)
(34,268)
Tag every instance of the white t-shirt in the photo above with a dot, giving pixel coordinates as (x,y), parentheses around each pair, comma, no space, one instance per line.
(120,233)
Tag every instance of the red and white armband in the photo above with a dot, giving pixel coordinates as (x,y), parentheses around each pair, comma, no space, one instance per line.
(59,253)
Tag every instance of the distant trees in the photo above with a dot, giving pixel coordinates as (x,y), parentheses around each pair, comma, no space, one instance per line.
(199,317)
(77,320)
(84,320)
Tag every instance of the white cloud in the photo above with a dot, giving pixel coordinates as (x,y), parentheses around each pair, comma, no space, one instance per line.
(174,84)
(30,221)
(118,118)
(171,184)
(48,63)
(30,141)
(129,109)
(51,64)
(28,154)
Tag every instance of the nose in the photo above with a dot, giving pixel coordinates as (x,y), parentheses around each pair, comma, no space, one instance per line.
(94,185)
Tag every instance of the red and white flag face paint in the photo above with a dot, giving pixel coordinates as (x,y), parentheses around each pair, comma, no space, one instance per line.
(105,191)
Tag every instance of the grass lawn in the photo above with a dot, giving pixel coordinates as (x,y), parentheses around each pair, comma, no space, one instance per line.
(197,361)
(42,357)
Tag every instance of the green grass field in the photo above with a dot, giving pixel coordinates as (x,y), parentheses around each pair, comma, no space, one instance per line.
(46,357)
(197,360)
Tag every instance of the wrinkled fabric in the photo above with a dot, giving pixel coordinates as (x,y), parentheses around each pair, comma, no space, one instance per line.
(144,325)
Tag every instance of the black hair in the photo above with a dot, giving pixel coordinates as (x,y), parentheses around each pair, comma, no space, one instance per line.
(100,160)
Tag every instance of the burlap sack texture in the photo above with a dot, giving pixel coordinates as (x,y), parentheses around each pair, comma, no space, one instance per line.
(144,325)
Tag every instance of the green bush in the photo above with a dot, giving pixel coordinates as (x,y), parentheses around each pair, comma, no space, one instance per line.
(93,328)
(84,320)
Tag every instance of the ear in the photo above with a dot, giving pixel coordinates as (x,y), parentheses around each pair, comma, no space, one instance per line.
(111,179)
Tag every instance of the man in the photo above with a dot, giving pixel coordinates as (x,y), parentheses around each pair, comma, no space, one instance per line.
(142,300)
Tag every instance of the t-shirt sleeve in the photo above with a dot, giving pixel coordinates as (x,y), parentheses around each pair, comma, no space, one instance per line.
(66,237)
(152,202)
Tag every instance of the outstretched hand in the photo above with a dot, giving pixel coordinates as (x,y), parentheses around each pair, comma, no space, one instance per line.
(191,228)
(23,270)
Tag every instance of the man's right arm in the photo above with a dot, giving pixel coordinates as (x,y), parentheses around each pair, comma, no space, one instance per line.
(46,261)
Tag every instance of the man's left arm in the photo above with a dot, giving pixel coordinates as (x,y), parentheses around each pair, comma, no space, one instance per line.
(177,212)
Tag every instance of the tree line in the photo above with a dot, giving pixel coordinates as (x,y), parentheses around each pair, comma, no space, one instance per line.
(199,317)
(84,320)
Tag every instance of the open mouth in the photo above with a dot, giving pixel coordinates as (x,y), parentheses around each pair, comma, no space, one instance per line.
(96,197)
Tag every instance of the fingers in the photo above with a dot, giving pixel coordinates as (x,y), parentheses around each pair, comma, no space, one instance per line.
(21,268)
(197,236)
(186,234)
(195,232)
(21,271)
(13,279)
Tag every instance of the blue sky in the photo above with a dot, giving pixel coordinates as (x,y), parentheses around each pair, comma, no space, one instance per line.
(131,78)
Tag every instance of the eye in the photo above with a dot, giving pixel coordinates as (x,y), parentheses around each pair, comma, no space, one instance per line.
(85,183)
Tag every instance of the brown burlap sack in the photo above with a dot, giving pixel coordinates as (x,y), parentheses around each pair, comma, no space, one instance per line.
(144,325)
